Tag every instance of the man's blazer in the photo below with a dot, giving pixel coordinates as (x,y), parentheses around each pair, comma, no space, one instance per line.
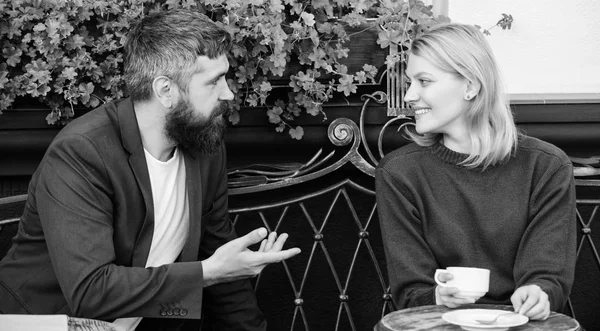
(86,231)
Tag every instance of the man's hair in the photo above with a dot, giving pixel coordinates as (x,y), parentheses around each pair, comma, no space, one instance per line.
(167,44)
(463,50)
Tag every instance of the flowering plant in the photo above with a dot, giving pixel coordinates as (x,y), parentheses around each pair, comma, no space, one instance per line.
(67,54)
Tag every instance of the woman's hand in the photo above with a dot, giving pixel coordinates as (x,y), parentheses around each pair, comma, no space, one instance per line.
(531,301)
(445,295)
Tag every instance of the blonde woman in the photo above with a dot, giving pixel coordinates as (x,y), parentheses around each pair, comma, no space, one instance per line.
(471,190)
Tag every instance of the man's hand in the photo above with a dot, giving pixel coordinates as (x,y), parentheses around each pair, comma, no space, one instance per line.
(234,260)
(531,301)
(445,295)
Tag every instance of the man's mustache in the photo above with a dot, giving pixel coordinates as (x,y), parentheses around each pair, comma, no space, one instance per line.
(221,109)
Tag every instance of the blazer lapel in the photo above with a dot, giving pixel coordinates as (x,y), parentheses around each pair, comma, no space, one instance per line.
(194,189)
(132,142)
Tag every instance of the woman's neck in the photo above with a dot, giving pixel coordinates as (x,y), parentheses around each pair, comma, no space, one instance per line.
(457,144)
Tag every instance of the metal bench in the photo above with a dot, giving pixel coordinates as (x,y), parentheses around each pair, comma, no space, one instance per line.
(327,205)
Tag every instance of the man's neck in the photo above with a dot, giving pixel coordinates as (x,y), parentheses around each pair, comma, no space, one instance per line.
(151,121)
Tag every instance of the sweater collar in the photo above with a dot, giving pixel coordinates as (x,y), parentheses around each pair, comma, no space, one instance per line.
(446,154)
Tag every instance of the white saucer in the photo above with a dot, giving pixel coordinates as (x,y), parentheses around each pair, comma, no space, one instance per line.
(466,319)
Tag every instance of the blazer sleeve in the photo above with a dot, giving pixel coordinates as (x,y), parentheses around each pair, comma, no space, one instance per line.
(232,305)
(75,203)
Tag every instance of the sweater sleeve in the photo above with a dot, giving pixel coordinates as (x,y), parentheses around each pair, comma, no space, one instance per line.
(410,262)
(547,251)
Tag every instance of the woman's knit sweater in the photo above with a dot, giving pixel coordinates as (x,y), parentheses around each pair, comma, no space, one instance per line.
(516,219)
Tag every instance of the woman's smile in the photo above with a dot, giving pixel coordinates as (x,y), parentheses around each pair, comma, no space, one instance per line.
(421,111)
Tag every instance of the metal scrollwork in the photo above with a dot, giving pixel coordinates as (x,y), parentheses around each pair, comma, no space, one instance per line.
(341,132)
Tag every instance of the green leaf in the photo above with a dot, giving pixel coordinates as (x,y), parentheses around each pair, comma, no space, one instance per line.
(234,117)
(265,86)
(274,113)
(346,85)
(12,55)
(309,19)
(276,6)
(325,5)
(3,79)
(361,77)
(85,91)
(39,27)
(314,108)
(297,133)
(280,127)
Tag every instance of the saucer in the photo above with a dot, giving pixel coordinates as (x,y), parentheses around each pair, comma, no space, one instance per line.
(466,319)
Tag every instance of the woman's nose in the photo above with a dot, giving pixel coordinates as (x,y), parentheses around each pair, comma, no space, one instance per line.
(410,95)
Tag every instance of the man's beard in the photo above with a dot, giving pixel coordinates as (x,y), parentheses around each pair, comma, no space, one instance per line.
(187,131)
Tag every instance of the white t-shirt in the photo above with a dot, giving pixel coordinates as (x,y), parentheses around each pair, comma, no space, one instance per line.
(171,215)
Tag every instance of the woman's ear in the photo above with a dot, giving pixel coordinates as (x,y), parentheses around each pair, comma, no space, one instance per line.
(164,91)
(472,90)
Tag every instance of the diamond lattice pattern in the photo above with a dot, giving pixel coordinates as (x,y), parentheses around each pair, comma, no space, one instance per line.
(339,281)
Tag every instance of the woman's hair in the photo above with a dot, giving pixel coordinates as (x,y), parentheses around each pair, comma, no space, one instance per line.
(168,43)
(463,50)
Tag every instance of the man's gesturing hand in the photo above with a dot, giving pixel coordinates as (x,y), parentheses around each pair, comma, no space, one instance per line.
(234,260)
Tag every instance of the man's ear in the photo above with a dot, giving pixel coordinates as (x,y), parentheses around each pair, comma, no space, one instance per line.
(165,91)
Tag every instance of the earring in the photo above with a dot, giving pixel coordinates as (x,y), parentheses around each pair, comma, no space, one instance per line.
(469,97)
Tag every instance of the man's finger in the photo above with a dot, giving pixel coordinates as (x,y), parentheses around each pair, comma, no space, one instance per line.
(263,244)
(253,237)
(278,245)
(274,257)
(271,240)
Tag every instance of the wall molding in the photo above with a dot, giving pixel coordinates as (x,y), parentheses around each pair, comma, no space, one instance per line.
(554,98)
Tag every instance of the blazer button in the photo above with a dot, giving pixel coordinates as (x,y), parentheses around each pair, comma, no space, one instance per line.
(176,311)
(183,312)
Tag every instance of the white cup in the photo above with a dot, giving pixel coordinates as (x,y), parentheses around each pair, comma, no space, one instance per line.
(471,282)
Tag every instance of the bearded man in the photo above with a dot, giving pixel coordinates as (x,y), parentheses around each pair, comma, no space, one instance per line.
(126,219)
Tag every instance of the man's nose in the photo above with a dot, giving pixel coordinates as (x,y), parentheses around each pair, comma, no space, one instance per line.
(226,94)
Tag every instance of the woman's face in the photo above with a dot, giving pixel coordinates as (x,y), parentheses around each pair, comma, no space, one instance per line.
(438,98)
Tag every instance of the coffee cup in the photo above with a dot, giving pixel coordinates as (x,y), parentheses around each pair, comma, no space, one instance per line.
(472,283)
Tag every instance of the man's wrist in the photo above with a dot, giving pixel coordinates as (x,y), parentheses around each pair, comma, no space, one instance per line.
(208,273)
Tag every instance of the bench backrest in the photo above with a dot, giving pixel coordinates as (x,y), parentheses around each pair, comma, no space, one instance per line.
(327,205)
